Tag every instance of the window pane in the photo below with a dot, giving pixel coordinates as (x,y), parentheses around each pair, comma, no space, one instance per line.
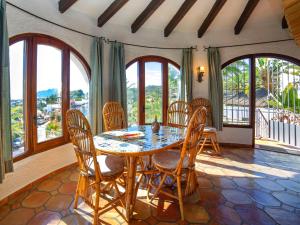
(132,93)
(79,86)
(153,91)
(174,83)
(236,85)
(16,54)
(49,84)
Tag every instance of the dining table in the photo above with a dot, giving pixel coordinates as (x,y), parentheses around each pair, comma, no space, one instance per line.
(132,143)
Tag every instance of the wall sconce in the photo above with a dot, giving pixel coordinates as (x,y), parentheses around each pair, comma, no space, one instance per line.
(200,73)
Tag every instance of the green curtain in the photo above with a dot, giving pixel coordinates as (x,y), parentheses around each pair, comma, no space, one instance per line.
(6,162)
(117,75)
(96,86)
(186,89)
(215,87)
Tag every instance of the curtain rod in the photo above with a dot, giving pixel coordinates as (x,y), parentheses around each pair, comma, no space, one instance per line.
(247,44)
(90,35)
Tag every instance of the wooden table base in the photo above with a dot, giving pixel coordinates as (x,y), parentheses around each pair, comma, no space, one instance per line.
(130,194)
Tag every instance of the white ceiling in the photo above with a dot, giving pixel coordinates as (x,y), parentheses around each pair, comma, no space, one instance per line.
(267,13)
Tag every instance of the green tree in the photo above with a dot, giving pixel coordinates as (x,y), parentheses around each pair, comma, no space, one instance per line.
(77,95)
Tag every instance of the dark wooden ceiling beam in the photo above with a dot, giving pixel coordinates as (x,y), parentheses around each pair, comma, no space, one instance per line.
(184,8)
(110,11)
(64,5)
(245,15)
(211,16)
(142,18)
(284,24)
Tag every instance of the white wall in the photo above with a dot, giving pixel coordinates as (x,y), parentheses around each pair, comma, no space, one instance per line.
(18,23)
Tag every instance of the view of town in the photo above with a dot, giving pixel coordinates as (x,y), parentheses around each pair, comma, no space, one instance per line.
(48,117)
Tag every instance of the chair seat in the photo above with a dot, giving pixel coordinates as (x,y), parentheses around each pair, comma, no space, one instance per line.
(168,160)
(210,130)
(110,166)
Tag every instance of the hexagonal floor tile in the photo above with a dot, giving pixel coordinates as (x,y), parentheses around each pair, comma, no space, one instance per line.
(223,182)
(289,184)
(49,185)
(195,213)
(142,210)
(264,198)
(18,217)
(287,198)
(59,202)
(4,210)
(36,199)
(204,182)
(270,185)
(165,210)
(74,219)
(237,197)
(45,218)
(246,183)
(225,215)
(68,188)
(283,217)
(254,216)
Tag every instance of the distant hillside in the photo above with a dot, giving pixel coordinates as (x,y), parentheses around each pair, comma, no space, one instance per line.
(47,93)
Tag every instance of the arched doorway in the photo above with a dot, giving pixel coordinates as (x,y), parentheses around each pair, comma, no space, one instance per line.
(262,91)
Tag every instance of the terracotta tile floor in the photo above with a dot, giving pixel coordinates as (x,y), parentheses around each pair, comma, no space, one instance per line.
(241,187)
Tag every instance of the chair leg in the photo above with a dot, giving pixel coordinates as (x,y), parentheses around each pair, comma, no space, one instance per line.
(77,193)
(215,144)
(149,187)
(96,214)
(180,197)
(203,144)
(159,187)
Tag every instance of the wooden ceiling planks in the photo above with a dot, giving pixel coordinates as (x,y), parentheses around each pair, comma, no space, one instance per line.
(292,16)
(211,16)
(184,8)
(145,15)
(245,15)
(111,11)
(64,5)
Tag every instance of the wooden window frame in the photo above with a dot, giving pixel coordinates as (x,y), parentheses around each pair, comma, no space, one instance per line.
(141,61)
(31,41)
(252,58)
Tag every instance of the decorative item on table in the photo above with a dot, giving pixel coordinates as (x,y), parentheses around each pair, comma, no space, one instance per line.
(155,125)
(125,134)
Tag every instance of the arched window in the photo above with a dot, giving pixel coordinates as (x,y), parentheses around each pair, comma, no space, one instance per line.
(260,86)
(47,77)
(153,83)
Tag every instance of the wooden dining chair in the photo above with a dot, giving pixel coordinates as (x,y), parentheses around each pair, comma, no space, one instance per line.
(210,133)
(179,114)
(175,164)
(113,116)
(97,172)
(114,119)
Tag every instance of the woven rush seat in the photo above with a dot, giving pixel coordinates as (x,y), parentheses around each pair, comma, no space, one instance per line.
(169,159)
(110,166)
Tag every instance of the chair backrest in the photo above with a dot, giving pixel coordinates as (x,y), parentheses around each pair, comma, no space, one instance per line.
(82,140)
(193,136)
(113,116)
(203,102)
(179,114)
